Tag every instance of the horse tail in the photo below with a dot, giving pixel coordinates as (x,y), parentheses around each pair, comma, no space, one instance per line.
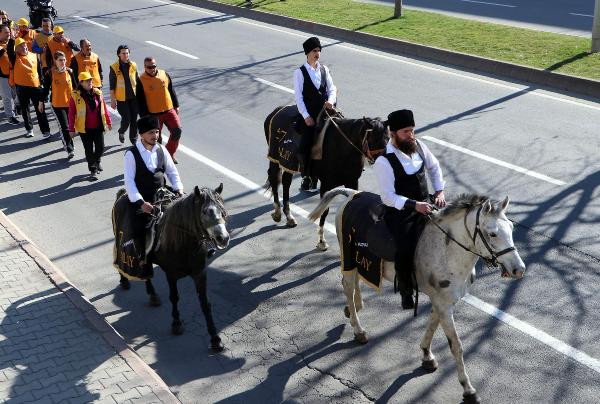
(326,200)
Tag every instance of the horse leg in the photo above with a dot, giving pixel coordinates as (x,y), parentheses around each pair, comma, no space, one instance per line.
(273,173)
(215,341)
(322,244)
(428,362)
(446,319)
(286,182)
(176,325)
(350,283)
(154,299)
(358,300)
(124,282)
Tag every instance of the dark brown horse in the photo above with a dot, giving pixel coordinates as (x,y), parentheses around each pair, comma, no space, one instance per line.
(182,233)
(346,145)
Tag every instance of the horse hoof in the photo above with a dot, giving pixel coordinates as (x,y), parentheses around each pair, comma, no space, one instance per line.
(429,365)
(276,217)
(155,301)
(291,222)
(361,338)
(471,399)
(216,345)
(177,329)
(322,246)
(125,284)
(347,312)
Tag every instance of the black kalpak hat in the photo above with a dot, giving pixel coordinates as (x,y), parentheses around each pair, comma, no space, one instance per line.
(147,123)
(403,118)
(310,44)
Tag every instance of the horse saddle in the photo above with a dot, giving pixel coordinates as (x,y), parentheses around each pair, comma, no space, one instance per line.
(380,240)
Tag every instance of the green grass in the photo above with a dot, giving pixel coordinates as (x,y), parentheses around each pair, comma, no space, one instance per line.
(560,53)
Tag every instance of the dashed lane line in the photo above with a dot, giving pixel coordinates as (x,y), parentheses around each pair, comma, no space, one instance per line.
(90,21)
(187,55)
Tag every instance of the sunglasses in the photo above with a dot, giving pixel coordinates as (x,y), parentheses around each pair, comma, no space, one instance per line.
(150,67)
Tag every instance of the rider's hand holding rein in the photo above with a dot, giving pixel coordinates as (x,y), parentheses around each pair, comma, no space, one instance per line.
(147,207)
(439,199)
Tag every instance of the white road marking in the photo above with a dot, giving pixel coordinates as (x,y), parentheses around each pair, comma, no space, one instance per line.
(456,147)
(533,332)
(582,15)
(489,4)
(487,308)
(271,84)
(90,21)
(187,55)
(495,161)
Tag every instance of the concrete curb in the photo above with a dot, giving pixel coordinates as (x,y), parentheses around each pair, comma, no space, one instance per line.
(114,339)
(537,77)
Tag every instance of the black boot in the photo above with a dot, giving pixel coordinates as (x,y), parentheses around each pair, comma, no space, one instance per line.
(407,299)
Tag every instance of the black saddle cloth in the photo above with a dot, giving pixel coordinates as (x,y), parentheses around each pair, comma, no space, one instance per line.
(284,138)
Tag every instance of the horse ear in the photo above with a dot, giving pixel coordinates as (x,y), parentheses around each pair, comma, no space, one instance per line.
(196,191)
(504,204)
(219,189)
(487,207)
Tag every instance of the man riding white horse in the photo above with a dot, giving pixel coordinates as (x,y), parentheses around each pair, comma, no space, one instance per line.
(313,90)
(400,174)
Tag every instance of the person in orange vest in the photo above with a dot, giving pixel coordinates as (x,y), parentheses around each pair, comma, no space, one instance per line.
(40,41)
(24,32)
(157,97)
(88,61)
(26,77)
(6,90)
(59,81)
(123,78)
(89,118)
(59,42)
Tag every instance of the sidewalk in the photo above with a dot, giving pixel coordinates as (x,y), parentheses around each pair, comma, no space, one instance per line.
(54,346)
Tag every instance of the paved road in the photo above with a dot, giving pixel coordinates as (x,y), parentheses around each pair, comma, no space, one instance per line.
(279,302)
(573,17)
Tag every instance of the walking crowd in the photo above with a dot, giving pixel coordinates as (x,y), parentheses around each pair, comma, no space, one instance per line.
(45,66)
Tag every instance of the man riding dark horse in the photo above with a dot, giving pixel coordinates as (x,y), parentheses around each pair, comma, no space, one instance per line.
(313,90)
(400,174)
(146,165)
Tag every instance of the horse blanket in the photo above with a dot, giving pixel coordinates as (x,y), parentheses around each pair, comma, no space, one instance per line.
(284,139)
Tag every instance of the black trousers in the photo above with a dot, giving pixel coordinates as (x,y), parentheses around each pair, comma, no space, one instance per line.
(93,143)
(306,142)
(62,114)
(32,95)
(129,113)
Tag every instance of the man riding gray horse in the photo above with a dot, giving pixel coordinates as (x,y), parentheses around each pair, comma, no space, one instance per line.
(146,165)
(400,174)
(313,90)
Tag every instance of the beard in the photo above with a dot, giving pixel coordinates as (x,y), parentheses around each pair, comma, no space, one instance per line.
(407,147)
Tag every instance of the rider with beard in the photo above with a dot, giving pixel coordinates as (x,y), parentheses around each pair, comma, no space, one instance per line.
(403,188)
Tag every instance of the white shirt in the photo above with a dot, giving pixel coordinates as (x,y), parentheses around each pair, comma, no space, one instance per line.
(150,158)
(411,164)
(315,77)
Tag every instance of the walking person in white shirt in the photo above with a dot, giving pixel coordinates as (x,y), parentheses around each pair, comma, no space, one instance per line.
(313,90)
(146,164)
(403,188)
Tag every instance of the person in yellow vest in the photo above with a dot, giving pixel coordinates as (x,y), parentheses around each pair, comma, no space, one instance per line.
(89,118)
(88,61)
(40,41)
(6,90)
(59,81)
(26,77)
(24,32)
(123,77)
(156,96)
(59,42)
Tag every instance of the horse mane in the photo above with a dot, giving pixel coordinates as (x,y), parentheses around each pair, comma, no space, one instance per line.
(181,221)
(467,202)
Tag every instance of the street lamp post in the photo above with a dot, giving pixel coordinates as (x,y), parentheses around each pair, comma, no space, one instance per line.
(596,29)
(398,8)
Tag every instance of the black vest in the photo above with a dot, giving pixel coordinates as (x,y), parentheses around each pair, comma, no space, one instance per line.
(149,182)
(413,186)
(314,97)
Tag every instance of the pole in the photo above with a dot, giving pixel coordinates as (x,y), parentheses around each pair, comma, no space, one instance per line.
(596,28)
(398,8)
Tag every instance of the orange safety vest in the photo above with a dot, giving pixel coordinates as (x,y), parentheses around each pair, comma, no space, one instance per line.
(54,46)
(26,70)
(80,111)
(28,37)
(62,87)
(89,64)
(42,40)
(120,87)
(156,91)
(4,61)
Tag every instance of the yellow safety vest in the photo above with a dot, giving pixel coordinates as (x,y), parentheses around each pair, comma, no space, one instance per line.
(80,111)
(120,87)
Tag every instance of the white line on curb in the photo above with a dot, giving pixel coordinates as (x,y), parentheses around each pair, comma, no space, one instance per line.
(187,55)
(582,15)
(90,21)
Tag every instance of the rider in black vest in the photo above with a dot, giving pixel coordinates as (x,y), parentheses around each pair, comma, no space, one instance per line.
(313,89)
(403,188)
(147,163)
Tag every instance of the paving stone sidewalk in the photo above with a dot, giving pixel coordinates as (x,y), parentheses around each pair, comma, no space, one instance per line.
(51,349)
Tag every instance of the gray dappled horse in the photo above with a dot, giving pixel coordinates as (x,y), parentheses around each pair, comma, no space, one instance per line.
(469,228)
(181,231)
(346,145)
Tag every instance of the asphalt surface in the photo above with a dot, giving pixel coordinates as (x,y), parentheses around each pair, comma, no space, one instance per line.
(279,302)
(573,17)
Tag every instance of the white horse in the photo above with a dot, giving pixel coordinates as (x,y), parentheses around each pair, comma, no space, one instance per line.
(450,245)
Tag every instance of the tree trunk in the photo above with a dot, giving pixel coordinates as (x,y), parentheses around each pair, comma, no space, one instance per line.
(596,29)
(398,8)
